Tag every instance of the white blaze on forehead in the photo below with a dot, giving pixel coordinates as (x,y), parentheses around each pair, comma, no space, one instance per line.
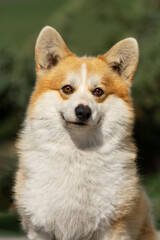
(83,77)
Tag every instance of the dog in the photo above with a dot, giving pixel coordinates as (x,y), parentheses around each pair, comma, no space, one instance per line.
(77,177)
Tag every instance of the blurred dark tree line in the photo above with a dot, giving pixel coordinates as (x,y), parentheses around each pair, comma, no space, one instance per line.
(16,82)
(88,27)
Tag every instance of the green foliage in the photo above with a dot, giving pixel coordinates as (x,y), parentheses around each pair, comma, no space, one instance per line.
(21,21)
(152,185)
(8,161)
(9,224)
(16,82)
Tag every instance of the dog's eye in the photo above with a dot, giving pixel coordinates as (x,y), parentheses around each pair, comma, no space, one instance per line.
(67,89)
(98,92)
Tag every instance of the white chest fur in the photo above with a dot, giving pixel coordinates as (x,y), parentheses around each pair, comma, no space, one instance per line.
(72,191)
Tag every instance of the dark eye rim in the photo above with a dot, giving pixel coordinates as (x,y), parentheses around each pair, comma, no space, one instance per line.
(72,89)
(94,92)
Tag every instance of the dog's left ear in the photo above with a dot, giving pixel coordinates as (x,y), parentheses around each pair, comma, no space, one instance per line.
(123,58)
(50,49)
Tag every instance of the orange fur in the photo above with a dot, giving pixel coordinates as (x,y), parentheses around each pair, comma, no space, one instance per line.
(55,78)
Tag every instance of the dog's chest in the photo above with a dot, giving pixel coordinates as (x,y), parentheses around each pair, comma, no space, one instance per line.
(69,189)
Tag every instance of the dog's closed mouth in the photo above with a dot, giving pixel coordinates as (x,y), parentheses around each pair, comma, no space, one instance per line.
(74,123)
(78,123)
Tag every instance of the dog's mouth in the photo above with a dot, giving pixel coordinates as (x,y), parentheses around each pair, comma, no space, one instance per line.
(78,123)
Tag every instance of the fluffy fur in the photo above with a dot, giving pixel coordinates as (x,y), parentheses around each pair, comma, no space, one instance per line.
(79,182)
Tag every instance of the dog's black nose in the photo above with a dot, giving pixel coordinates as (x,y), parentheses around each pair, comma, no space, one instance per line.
(83,112)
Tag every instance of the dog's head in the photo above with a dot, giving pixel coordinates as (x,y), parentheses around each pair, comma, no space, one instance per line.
(83,92)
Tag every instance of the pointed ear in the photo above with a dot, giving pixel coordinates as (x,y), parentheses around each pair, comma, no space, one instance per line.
(50,49)
(123,58)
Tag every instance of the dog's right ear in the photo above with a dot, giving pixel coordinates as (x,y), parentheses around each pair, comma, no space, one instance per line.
(50,49)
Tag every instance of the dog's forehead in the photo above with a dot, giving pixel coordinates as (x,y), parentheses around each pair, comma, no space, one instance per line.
(86,70)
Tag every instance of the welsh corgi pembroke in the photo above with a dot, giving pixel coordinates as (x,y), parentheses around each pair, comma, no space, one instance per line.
(77,177)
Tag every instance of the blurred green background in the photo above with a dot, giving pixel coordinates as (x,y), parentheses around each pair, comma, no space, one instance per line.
(89,27)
